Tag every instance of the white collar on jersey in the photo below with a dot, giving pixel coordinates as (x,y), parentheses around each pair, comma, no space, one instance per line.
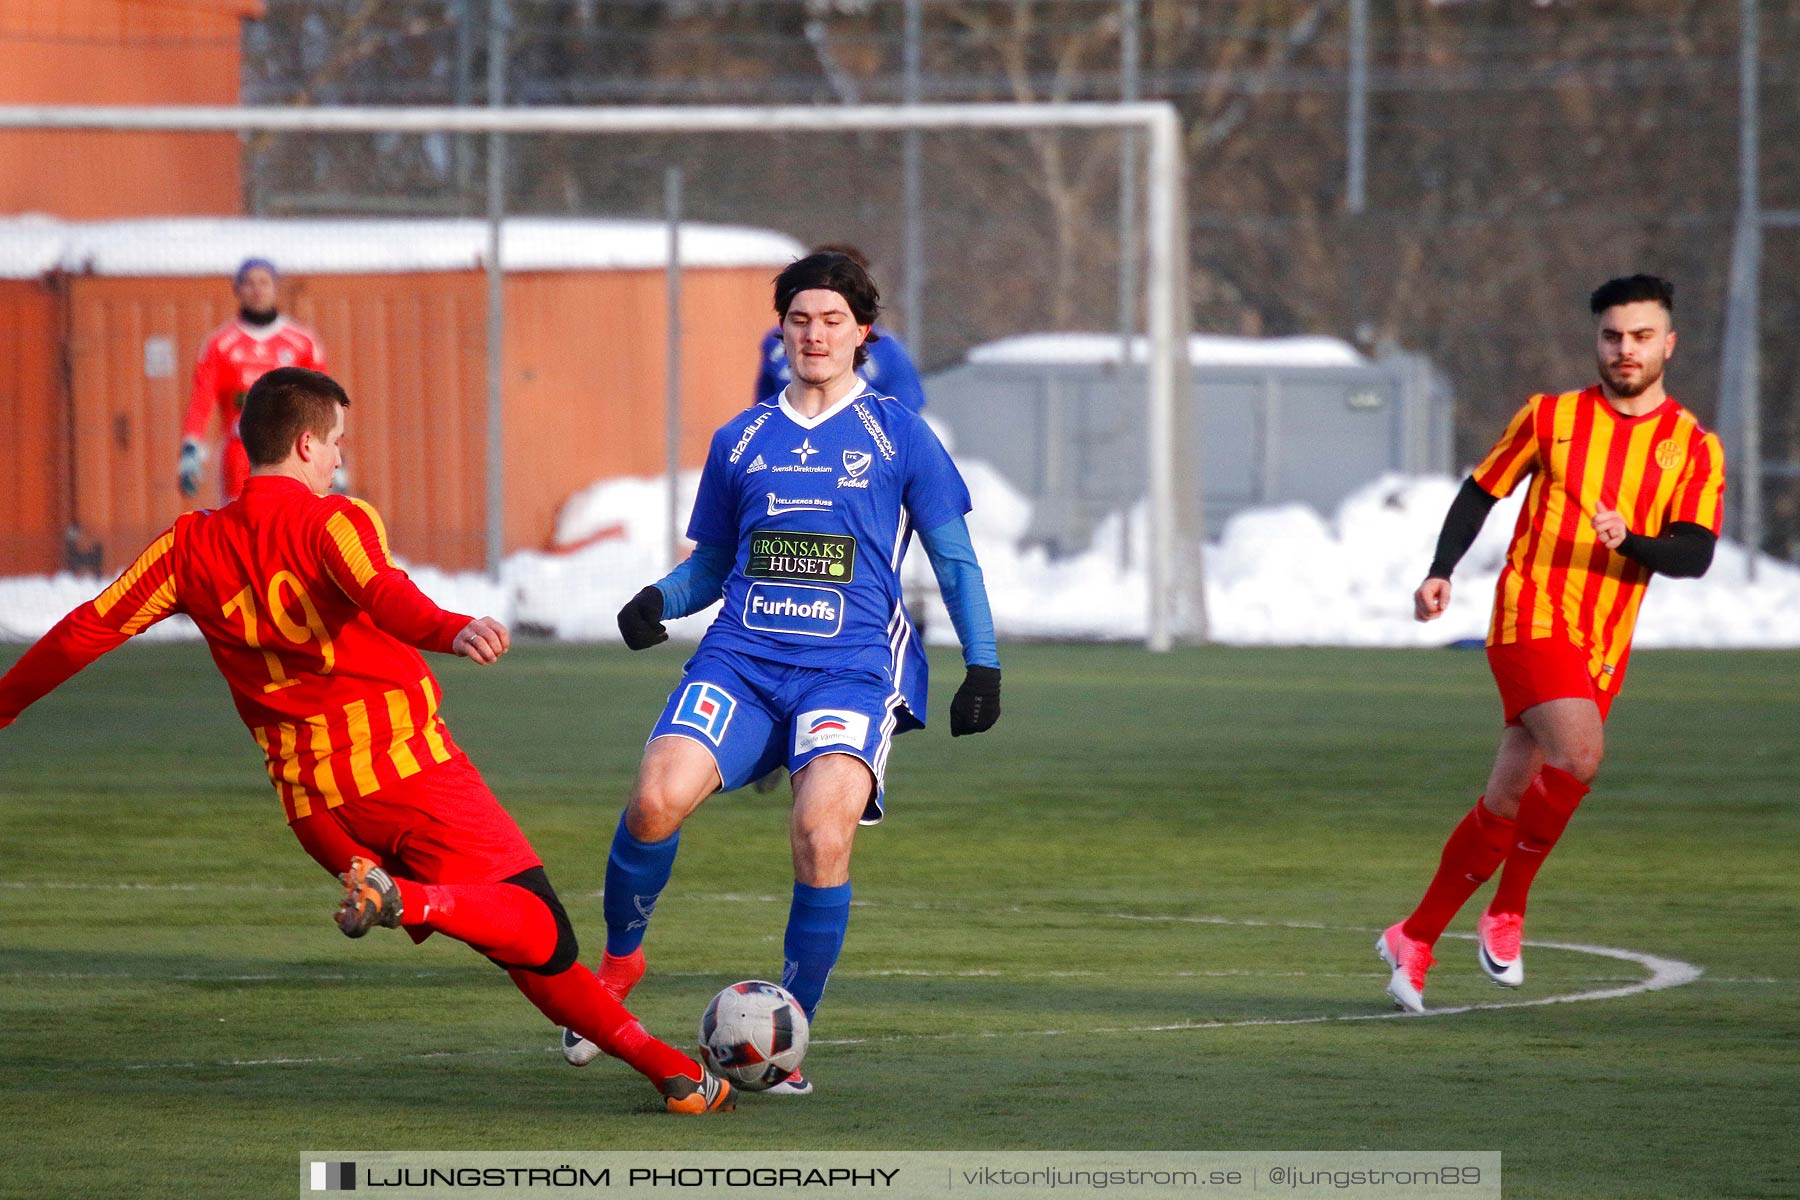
(261,333)
(861,389)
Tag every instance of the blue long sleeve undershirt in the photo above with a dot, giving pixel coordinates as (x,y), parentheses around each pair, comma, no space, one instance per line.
(697,582)
(959,578)
(700,581)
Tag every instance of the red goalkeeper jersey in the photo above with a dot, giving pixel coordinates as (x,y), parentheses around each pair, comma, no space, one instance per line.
(1580,453)
(308,619)
(235,356)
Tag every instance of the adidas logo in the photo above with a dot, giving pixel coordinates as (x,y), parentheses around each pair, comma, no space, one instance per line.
(756,464)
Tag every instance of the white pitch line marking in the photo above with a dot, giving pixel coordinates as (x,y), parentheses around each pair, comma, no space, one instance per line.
(1665,973)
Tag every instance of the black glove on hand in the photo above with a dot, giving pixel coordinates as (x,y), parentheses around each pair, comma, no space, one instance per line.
(977,703)
(188,471)
(640,621)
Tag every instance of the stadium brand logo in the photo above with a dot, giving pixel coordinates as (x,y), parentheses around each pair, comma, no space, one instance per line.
(781,554)
(857,461)
(875,430)
(333,1176)
(706,707)
(743,442)
(829,727)
(781,504)
(794,608)
(756,464)
(1668,454)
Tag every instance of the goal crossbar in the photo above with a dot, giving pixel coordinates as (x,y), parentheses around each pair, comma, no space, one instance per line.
(1164,249)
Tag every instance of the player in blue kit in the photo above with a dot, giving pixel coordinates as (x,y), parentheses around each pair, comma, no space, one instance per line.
(805,509)
(888,370)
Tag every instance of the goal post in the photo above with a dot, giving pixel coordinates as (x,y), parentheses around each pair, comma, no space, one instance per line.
(1176,609)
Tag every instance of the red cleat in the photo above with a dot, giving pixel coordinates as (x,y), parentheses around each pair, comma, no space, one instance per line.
(1497,947)
(1410,959)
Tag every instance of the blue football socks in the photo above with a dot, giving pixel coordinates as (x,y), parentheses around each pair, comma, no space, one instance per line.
(636,873)
(815,935)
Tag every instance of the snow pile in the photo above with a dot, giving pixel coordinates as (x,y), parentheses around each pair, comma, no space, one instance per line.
(1204,350)
(32,245)
(1275,576)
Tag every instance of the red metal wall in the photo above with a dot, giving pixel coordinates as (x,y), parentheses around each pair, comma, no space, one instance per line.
(120,52)
(583,392)
(34,486)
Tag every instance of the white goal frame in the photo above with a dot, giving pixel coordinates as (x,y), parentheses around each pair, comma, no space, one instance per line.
(1176,602)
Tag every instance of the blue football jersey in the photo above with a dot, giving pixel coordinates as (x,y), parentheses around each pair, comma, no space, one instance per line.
(820,511)
(889,369)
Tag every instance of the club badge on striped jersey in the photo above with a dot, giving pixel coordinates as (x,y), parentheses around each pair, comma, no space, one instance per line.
(1669,454)
(706,707)
(829,727)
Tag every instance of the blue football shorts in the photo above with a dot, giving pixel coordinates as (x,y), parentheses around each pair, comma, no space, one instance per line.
(753,715)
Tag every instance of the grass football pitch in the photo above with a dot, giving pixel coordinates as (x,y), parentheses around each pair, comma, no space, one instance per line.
(1138,915)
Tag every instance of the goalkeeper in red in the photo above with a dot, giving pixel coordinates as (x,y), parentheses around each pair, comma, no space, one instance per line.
(317,634)
(1624,483)
(260,338)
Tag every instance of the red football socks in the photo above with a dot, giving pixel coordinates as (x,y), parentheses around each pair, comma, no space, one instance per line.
(1476,847)
(502,920)
(1544,813)
(508,923)
(576,999)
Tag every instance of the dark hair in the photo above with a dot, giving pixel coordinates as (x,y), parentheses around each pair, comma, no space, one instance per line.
(1630,289)
(282,404)
(853,253)
(833,272)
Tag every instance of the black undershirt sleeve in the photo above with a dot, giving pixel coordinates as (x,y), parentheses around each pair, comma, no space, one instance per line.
(1683,551)
(1461,524)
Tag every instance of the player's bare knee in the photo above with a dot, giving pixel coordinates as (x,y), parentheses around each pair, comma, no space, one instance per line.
(1503,804)
(1584,762)
(1581,759)
(656,809)
(821,850)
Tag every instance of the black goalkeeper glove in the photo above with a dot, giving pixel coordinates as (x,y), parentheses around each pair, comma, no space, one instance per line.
(977,703)
(189,469)
(640,621)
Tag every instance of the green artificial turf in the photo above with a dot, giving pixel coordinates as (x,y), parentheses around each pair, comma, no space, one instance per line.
(1135,916)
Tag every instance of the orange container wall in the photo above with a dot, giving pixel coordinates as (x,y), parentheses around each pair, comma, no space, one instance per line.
(34,484)
(585,377)
(412,352)
(121,52)
(131,349)
(583,391)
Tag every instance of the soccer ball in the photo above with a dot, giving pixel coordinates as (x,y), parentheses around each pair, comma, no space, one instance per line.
(754,1033)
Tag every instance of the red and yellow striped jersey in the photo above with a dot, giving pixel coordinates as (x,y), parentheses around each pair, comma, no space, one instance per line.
(309,621)
(1581,454)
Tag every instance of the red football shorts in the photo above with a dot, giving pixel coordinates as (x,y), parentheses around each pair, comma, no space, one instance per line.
(441,826)
(1531,672)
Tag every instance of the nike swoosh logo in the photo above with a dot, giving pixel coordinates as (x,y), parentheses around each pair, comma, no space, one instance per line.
(788,508)
(1527,849)
(1564,441)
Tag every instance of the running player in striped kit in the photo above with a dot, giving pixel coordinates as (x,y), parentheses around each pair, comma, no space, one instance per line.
(1624,484)
(317,633)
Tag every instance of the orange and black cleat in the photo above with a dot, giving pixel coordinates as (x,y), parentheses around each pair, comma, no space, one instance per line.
(371,897)
(708,1094)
